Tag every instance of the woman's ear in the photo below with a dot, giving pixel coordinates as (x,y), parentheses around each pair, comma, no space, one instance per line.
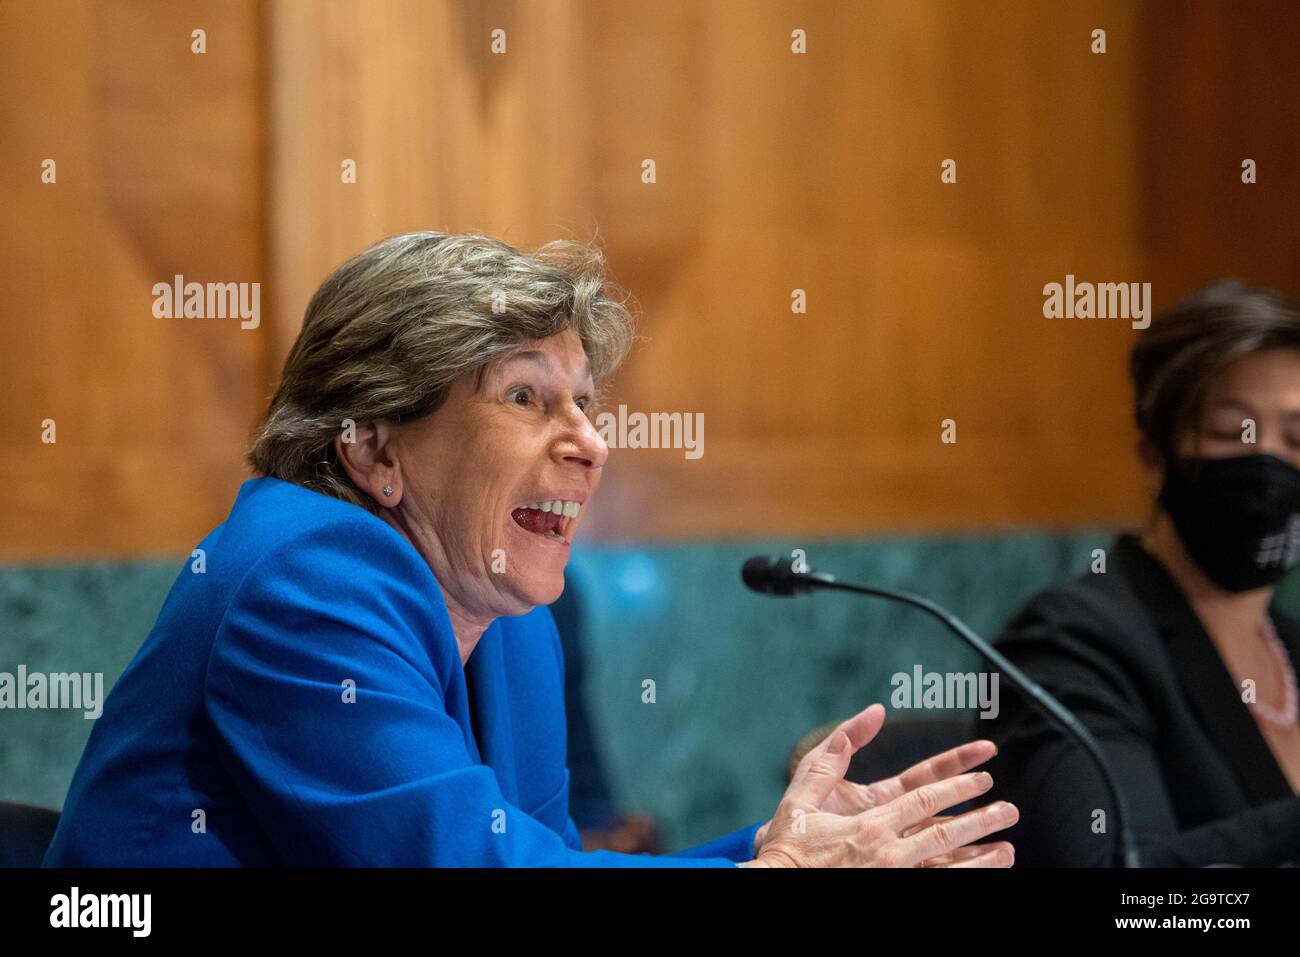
(367,452)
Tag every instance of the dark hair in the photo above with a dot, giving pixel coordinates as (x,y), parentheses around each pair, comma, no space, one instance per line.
(1189,343)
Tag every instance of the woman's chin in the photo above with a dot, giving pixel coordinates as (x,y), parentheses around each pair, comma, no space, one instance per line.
(539,590)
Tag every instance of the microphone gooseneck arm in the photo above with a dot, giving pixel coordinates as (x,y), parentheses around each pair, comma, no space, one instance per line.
(777,577)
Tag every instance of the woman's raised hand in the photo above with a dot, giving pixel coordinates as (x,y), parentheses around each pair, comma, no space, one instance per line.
(825,821)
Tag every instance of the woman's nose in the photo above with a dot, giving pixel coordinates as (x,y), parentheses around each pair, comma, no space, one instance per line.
(584,444)
(1272,440)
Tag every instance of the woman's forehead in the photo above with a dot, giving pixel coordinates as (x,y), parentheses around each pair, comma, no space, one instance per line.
(1262,376)
(552,356)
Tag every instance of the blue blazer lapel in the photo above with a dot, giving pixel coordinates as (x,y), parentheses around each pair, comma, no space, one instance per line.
(459,701)
(490,704)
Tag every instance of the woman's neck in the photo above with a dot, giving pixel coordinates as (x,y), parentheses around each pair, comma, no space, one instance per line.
(468,628)
(1231,618)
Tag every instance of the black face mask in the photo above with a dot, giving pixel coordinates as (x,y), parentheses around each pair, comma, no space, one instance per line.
(1239,518)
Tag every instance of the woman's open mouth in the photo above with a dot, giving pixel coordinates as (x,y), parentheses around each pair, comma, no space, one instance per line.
(553,520)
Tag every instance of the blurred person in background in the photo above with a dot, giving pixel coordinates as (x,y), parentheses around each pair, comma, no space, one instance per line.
(1176,656)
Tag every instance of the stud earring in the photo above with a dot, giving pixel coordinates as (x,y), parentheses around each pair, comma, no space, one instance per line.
(388,490)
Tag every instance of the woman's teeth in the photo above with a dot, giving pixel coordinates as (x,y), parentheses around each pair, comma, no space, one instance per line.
(553,519)
(558,507)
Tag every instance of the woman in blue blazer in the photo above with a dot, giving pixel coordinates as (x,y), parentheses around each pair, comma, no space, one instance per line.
(358,666)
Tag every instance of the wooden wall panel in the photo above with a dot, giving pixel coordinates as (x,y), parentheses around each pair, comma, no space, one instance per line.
(775,172)
(158,173)
(822,173)
(444,134)
(1221,82)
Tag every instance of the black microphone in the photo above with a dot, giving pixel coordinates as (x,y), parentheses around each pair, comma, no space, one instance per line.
(785,577)
(778,576)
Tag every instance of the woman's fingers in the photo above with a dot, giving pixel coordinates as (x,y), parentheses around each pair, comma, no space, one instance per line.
(908,828)
(955,761)
(947,836)
(951,762)
(871,839)
(926,823)
(961,854)
(929,799)
(824,766)
(968,852)
(1001,854)
(862,727)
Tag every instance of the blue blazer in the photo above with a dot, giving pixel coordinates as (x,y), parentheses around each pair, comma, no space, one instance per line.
(301,701)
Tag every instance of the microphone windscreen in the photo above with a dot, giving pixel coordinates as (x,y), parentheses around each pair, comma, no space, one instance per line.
(760,574)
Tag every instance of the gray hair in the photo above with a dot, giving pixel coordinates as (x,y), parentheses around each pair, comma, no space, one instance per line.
(390,330)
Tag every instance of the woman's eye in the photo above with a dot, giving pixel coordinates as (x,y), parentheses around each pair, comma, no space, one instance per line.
(1223,434)
(583,403)
(521,397)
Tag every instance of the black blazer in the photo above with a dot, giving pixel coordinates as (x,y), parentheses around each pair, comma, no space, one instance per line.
(1126,653)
